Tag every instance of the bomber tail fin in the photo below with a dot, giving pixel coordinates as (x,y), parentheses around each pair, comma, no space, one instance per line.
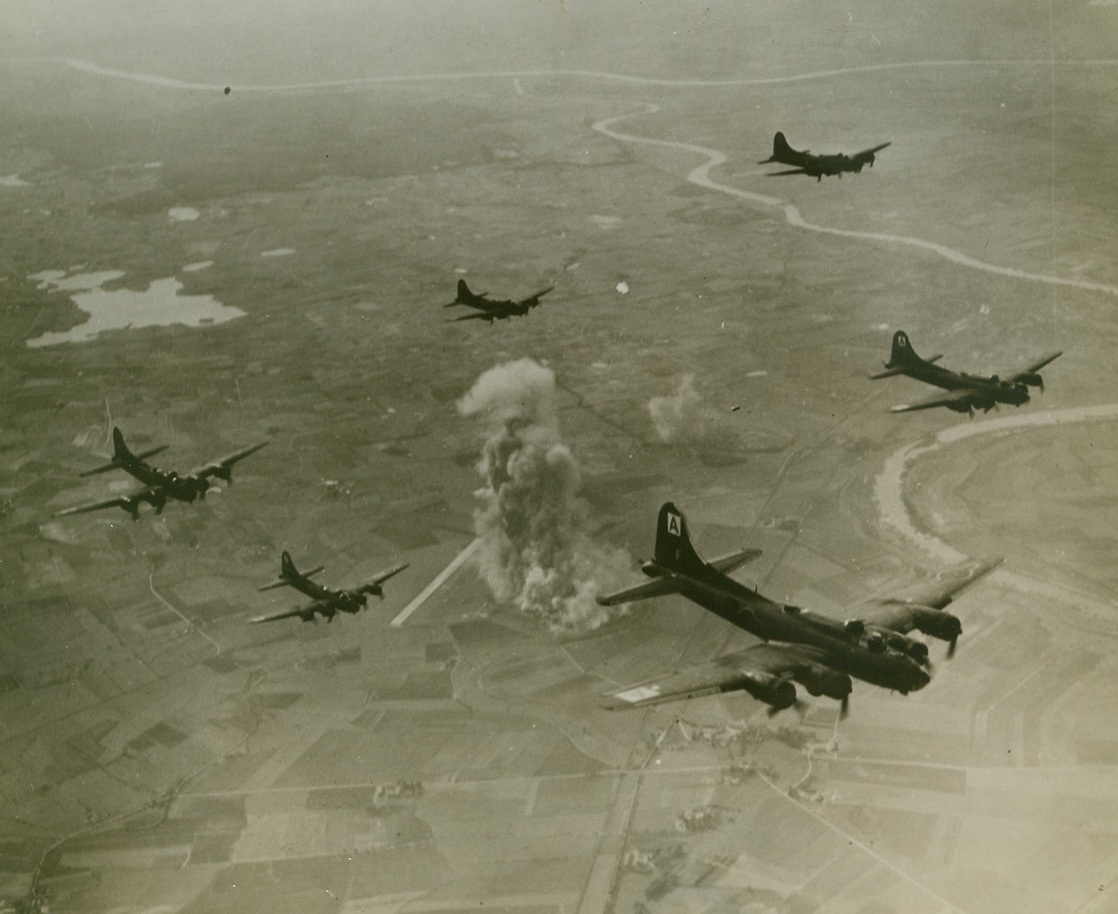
(675,555)
(674,550)
(287,567)
(289,574)
(782,152)
(902,352)
(121,455)
(120,449)
(903,357)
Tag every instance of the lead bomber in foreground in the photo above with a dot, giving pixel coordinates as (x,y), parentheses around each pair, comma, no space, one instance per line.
(819,652)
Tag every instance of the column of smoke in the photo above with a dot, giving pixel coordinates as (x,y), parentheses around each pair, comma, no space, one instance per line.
(678,417)
(536,548)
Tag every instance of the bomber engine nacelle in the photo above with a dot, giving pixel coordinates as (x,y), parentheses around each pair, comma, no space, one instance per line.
(187,488)
(821,680)
(1030,378)
(880,638)
(224,473)
(772,690)
(855,628)
(936,623)
(354,600)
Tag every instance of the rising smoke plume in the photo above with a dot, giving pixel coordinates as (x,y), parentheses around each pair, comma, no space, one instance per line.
(536,550)
(678,417)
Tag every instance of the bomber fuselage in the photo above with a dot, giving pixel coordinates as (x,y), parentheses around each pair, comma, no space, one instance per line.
(999,391)
(864,655)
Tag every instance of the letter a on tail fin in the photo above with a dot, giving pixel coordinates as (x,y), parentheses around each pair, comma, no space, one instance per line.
(902,352)
(904,360)
(673,543)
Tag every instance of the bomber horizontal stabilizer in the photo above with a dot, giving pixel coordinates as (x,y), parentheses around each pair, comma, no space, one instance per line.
(902,369)
(115,464)
(670,583)
(287,582)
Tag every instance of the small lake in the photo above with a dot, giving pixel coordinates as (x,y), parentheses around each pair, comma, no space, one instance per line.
(160,305)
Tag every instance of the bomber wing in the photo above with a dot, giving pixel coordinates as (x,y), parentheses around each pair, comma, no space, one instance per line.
(921,606)
(1032,368)
(481,305)
(962,399)
(669,583)
(939,592)
(534,299)
(383,576)
(793,171)
(764,670)
(130,503)
(487,315)
(866,155)
(306,613)
(126,502)
(223,465)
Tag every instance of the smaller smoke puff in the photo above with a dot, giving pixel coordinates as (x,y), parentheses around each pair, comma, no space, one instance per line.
(679,416)
(536,550)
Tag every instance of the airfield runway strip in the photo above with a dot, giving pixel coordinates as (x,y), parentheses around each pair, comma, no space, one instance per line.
(439,580)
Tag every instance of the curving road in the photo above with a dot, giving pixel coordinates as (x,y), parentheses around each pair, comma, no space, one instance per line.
(700,176)
(86,66)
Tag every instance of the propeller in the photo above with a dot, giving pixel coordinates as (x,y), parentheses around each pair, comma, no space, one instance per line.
(951,648)
(844,707)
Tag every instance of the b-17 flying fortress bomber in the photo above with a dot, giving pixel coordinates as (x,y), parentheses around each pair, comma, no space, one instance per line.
(326,602)
(491,310)
(966,392)
(160,485)
(817,651)
(816,166)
